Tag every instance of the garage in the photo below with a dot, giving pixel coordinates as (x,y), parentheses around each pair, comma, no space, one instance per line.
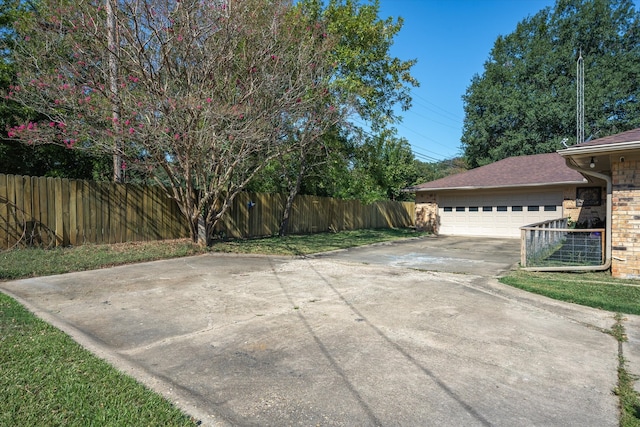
(497,199)
(495,214)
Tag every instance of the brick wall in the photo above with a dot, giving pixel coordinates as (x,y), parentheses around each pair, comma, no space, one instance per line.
(585,216)
(625,236)
(427,212)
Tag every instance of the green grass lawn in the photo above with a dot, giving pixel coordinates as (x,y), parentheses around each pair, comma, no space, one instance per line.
(22,263)
(592,289)
(47,379)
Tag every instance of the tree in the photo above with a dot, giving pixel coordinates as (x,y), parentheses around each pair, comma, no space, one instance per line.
(207,94)
(17,158)
(367,81)
(525,101)
(380,168)
(427,172)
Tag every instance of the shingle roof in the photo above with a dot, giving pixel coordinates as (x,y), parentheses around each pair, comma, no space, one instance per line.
(632,135)
(538,169)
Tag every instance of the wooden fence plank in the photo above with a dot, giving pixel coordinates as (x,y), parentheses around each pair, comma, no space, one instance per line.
(80,201)
(65,211)
(27,199)
(43,215)
(4,212)
(35,211)
(73,212)
(56,212)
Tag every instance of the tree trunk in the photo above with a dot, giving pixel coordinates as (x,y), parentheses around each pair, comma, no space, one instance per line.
(293,192)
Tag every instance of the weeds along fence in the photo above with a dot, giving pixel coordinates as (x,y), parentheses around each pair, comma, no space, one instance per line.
(49,212)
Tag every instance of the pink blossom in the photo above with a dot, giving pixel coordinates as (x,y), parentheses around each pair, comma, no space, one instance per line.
(209,100)
(131,131)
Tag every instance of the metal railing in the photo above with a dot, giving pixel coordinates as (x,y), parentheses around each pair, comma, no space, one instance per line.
(553,243)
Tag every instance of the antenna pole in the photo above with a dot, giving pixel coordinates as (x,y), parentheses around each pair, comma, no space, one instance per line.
(580,100)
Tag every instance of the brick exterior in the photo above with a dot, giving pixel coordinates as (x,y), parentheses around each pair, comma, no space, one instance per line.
(427,212)
(584,216)
(625,235)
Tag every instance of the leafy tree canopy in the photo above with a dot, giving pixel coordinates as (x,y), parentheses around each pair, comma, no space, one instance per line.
(525,100)
(199,96)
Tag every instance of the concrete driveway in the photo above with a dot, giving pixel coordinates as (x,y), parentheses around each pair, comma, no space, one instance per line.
(388,335)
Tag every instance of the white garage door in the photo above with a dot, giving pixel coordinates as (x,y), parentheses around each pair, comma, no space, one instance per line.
(495,215)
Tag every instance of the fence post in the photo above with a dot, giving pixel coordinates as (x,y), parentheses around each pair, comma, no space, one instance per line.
(523,248)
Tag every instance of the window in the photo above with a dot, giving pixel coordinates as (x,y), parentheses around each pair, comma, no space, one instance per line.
(588,196)
(516,208)
(448,209)
(487,209)
(473,209)
(549,208)
(501,208)
(533,208)
(459,208)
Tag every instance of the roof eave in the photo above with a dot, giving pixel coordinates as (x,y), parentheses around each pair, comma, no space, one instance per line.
(494,187)
(604,148)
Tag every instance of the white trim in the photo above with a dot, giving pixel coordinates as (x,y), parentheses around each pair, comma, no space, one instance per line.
(493,187)
(603,148)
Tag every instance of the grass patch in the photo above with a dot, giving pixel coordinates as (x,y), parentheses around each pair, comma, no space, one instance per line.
(592,289)
(32,262)
(48,379)
(629,398)
(312,243)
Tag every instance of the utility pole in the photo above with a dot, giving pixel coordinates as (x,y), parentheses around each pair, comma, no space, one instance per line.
(580,99)
(112,47)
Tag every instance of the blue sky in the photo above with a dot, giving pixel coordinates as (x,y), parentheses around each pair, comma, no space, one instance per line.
(451,39)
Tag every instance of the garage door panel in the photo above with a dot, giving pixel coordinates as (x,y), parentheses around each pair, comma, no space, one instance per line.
(495,214)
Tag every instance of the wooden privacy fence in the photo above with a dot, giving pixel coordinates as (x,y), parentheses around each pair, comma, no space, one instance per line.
(61,212)
(254,214)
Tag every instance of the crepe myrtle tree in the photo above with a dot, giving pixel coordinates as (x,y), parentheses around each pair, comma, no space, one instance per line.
(208,92)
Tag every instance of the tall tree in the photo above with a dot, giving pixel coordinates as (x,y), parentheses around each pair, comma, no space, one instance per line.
(367,80)
(382,165)
(207,95)
(525,101)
